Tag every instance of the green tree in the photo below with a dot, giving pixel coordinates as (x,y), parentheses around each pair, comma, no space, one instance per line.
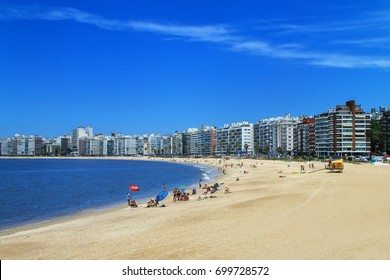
(246,147)
(375,135)
(279,150)
(237,147)
(257,149)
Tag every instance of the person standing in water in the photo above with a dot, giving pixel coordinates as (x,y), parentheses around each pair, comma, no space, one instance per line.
(200,183)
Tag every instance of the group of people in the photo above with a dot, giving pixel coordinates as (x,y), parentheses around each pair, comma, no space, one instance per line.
(311,165)
(132,203)
(210,189)
(180,195)
(152,203)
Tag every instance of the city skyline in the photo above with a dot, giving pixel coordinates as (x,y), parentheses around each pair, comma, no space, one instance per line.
(150,67)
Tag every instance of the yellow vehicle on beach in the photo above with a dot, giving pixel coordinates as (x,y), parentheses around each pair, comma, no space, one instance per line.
(336,164)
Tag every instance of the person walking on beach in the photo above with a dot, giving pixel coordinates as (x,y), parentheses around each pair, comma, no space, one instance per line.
(200,183)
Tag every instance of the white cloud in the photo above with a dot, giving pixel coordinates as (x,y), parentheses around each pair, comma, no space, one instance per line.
(221,34)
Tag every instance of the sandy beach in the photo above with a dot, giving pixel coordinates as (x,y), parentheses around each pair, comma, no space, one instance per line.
(273,212)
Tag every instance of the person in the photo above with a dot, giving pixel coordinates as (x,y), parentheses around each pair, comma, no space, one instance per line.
(165,187)
(200,183)
(152,203)
(133,204)
(128,198)
(227,189)
(175,194)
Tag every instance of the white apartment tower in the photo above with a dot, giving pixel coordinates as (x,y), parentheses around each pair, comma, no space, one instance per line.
(236,138)
(275,135)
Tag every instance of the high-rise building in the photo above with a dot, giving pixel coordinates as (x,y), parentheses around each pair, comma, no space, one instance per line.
(207,139)
(304,137)
(177,144)
(190,141)
(385,128)
(343,131)
(276,135)
(236,138)
(142,145)
(6,147)
(65,144)
(77,134)
(155,141)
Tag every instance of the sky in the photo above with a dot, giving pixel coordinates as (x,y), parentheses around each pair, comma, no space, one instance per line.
(142,67)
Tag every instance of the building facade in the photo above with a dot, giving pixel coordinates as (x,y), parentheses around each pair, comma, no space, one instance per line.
(77,134)
(343,131)
(236,138)
(276,135)
(385,128)
(304,137)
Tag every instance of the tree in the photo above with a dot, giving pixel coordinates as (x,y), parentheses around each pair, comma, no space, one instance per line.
(266,150)
(257,148)
(246,147)
(375,135)
(222,146)
(237,147)
(279,150)
(229,147)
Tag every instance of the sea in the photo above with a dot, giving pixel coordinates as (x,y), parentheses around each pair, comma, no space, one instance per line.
(40,190)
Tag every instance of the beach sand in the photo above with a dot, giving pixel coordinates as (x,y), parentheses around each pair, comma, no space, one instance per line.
(270,214)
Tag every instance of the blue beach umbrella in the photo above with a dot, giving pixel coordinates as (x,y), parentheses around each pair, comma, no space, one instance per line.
(161,196)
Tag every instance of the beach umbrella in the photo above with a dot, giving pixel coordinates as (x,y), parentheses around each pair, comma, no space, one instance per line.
(182,188)
(161,196)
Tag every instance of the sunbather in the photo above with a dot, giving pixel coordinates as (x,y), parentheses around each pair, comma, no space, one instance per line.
(133,204)
(152,203)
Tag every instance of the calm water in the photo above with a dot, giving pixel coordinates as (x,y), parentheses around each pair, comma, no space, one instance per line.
(43,189)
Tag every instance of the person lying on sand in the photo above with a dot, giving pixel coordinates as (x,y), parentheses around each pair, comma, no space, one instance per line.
(152,203)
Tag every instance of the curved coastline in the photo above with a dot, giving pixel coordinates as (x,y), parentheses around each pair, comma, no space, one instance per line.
(273,212)
(91,211)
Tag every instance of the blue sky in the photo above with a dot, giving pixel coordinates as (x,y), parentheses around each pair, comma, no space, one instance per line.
(159,66)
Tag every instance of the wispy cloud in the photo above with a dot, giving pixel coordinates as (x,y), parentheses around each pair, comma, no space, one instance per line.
(378,42)
(224,35)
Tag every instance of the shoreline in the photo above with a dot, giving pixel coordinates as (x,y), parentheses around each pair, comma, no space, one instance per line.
(272,212)
(34,224)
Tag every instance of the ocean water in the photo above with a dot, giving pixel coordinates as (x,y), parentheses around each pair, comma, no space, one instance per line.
(34,190)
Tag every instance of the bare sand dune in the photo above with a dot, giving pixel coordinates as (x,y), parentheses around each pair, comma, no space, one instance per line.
(269,214)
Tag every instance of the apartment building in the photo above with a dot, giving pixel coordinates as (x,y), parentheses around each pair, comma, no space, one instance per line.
(77,134)
(385,128)
(177,144)
(155,141)
(207,138)
(6,147)
(276,135)
(236,138)
(190,141)
(304,137)
(343,131)
(142,145)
